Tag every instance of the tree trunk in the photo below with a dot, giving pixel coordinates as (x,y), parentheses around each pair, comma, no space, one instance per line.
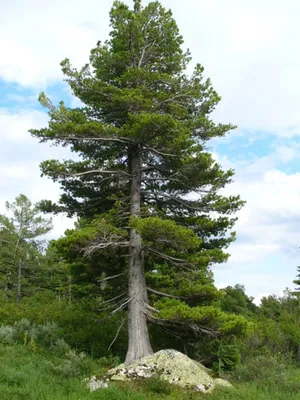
(138,335)
(19,288)
(70,290)
(186,345)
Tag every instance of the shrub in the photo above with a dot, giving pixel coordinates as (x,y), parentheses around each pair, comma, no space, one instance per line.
(261,368)
(60,348)
(7,334)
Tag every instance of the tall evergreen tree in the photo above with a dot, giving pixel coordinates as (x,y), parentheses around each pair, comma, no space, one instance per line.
(141,134)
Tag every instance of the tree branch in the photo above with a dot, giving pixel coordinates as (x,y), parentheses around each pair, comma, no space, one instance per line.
(117,334)
(183,325)
(111,277)
(122,306)
(98,171)
(97,139)
(158,152)
(170,296)
(173,260)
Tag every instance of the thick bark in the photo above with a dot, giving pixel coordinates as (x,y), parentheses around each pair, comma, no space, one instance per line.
(138,335)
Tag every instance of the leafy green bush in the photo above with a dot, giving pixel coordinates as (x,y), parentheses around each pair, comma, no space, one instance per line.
(81,325)
(7,334)
(60,348)
(261,368)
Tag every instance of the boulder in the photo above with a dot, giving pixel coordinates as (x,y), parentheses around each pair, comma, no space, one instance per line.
(170,365)
(95,384)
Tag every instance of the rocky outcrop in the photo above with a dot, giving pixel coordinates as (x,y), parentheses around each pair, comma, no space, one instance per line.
(170,365)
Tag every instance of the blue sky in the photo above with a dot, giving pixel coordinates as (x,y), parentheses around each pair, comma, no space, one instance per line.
(250,52)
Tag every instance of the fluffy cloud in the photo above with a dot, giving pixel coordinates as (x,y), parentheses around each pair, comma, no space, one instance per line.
(15,125)
(248,50)
(266,252)
(35,38)
(20,156)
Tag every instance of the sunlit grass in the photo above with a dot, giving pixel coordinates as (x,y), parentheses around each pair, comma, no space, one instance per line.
(28,375)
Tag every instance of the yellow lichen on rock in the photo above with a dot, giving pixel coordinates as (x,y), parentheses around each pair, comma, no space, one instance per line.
(171,366)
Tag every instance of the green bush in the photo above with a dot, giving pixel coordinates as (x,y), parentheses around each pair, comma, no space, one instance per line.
(261,368)
(7,334)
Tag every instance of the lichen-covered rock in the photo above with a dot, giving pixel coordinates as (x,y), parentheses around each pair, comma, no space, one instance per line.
(95,384)
(222,382)
(170,365)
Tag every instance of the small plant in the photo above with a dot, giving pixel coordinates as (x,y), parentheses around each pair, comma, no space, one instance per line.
(156,384)
(33,344)
(25,338)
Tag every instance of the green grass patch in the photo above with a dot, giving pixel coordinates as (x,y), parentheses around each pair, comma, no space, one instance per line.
(28,375)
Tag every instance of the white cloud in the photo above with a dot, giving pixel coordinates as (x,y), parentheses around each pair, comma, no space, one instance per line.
(20,157)
(15,125)
(35,38)
(13,172)
(266,252)
(247,48)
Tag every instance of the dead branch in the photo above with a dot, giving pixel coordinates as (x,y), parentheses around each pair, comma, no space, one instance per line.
(150,308)
(107,239)
(117,334)
(158,152)
(173,260)
(122,306)
(111,277)
(97,138)
(115,298)
(183,325)
(98,171)
(162,294)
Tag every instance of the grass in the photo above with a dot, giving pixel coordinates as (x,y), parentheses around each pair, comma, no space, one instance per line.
(28,375)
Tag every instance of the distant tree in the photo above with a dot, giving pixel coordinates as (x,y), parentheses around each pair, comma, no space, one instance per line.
(145,178)
(20,244)
(297,282)
(235,300)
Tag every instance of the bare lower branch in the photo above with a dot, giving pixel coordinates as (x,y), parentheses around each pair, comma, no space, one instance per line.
(98,171)
(170,296)
(111,277)
(152,309)
(117,334)
(94,139)
(179,262)
(105,240)
(182,326)
(158,152)
(197,296)
(122,306)
(116,298)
